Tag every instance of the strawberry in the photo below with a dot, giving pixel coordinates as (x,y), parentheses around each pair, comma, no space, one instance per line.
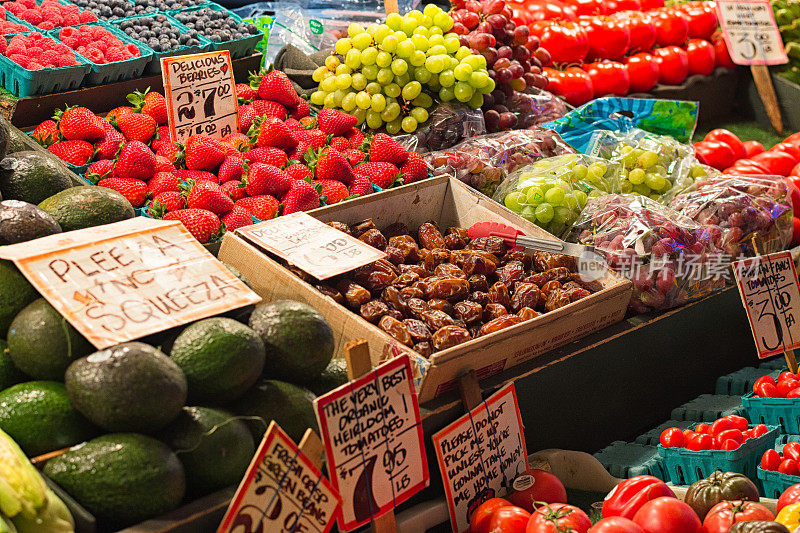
(150,103)
(238,217)
(262,207)
(267,154)
(272,131)
(163,182)
(244,92)
(355,136)
(163,164)
(293,124)
(78,123)
(331,165)
(131,188)
(165,202)
(308,122)
(315,138)
(299,152)
(46,133)
(302,109)
(268,108)
(354,156)
(208,195)
(162,137)
(203,225)
(266,179)
(247,115)
(196,175)
(117,112)
(203,153)
(169,151)
(302,196)
(340,143)
(275,86)
(361,186)
(385,148)
(335,122)
(240,141)
(135,160)
(299,171)
(414,169)
(331,191)
(381,174)
(99,170)
(231,169)
(108,146)
(234,189)
(137,126)
(74,152)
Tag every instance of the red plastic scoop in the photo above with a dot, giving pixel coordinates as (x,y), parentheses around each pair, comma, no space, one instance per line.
(514,238)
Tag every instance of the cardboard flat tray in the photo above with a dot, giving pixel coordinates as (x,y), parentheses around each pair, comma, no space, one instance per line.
(449,203)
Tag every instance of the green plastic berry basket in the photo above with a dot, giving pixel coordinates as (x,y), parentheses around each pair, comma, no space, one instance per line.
(23,82)
(238,47)
(16,20)
(774,483)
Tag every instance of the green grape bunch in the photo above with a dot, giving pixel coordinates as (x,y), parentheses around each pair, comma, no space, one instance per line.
(390,75)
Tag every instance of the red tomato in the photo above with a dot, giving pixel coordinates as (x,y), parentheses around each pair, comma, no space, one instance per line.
(701,442)
(702,57)
(793,183)
(576,86)
(672,438)
(786,386)
(789,496)
(762,379)
(701,20)
(723,515)
(788,148)
(729,138)
(723,56)
(752,148)
(630,495)
(770,460)
(759,429)
(634,6)
(729,444)
(537,486)
(667,515)
(788,466)
(739,422)
(715,154)
(688,434)
(767,390)
(701,428)
(548,10)
(732,434)
(615,524)
(795,171)
(791,450)
(556,518)
(512,519)
(640,28)
(778,163)
(479,521)
(608,37)
(566,41)
(649,5)
(608,77)
(588,7)
(795,236)
(786,375)
(642,71)
(673,65)
(720,425)
(671,27)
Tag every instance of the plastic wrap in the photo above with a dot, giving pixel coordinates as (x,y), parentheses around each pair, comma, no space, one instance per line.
(447,125)
(535,107)
(484,162)
(670,258)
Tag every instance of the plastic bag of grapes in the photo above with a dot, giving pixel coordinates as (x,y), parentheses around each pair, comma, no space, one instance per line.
(535,106)
(670,258)
(448,125)
(551,192)
(743,207)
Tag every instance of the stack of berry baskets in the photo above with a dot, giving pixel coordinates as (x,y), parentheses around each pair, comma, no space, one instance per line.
(238,47)
(33,63)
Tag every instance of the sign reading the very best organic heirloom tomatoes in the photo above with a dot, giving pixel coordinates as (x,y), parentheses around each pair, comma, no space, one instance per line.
(769,289)
(751,33)
(311,245)
(122,281)
(372,432)
(282,491)
(480,454)
(201,95)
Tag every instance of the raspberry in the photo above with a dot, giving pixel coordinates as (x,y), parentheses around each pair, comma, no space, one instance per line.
(50,57)
(133,50)
(71,20)
(32,16)
(67,32)
(87,16)
(94,55)
(15,8)
(19,59)
(65,61)
(34,51)
(115,54)
(46,25)
(33,65)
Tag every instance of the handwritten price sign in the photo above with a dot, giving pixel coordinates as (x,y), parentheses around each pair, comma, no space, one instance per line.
(282,491)
(769,289)
(200,94)
(373,441)
(311,245)
(122,281)
(480,454)
(751,33)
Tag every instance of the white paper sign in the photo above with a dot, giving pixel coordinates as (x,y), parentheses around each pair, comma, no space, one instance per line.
(751,33)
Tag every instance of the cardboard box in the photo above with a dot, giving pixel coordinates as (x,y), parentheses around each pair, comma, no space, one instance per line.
(449,203)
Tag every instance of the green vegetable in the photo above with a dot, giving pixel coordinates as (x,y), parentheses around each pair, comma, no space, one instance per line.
(22,489)
(54,517)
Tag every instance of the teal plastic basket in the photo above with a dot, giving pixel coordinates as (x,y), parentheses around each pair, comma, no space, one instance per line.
(774,483)
(625,460)
(16,20)
(238,48)
(23,82)
(782,412)
(687,466)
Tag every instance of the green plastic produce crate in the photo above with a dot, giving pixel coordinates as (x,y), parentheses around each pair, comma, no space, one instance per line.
(652,437)
(625,460)
(741,382)
(782,412)
(23,82)
(238,48)
(709,407)
(774,483)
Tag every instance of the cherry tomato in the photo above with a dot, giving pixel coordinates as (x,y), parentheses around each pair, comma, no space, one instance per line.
(608,37)
(512,519)
(739,422)
(729,444)
(723,515)
(788,466)
(558,517)
(715,154)
(667,515)
(770,460)
(786,386)
(479,521)
(778,163)
(789,496)
(786,375)
(767,390)
(700,442)
(791,450)
(671,27)
(672,438)
(752,148)
(642,71)
(576,86)
(701,428)
(720,425)
(673,65)
(608,78)
(763,379)
(730,434)
(537,486)
(759,429)
(795,393)
(701,20)
(615,524)
(702,57)
(566,41)
(634,6)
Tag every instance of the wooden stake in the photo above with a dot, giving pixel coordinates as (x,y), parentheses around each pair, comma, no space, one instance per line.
(470,390)
(311,446)
(766,91)
(39,460)
(356,353)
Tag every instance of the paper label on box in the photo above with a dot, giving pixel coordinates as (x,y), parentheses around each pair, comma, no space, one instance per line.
(480,454)
(122,281)
(373,439)
(201,95)
(751,33)
(769,289)
(282,490)
(311,245)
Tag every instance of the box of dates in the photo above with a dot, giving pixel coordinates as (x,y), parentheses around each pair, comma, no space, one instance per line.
(451,302)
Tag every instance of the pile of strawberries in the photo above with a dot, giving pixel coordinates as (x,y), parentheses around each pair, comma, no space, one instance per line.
(281,161)
(36,52)
(6,26)
(97,44)
(50,14)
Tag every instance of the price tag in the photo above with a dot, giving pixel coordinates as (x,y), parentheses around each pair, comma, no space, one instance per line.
(122,281)
(769,289)
(311,245)
(373,440)
(200,94)
(751,33)
(480,454)
(282,490)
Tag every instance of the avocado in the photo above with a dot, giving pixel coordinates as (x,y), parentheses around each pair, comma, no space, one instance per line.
(5,137)
(298,340)
(15,293)
(21,221)
(42,343)
(121,478)
(287,404)
(87,206)
(220,357)
(9,373)
(40,418)
(17,142)
(128,387)
(213,445)
(334,375)
(31,176)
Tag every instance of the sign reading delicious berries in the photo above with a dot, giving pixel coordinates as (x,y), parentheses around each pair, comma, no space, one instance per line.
(282,490)
(122,281)
(372,432)
(201,95)
(480,454)
(751,33)
(771,295)
(311,245)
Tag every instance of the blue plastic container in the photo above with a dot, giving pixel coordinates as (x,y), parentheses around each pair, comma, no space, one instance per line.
(238,48)
(23,82)
(783,412)
(774,483)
